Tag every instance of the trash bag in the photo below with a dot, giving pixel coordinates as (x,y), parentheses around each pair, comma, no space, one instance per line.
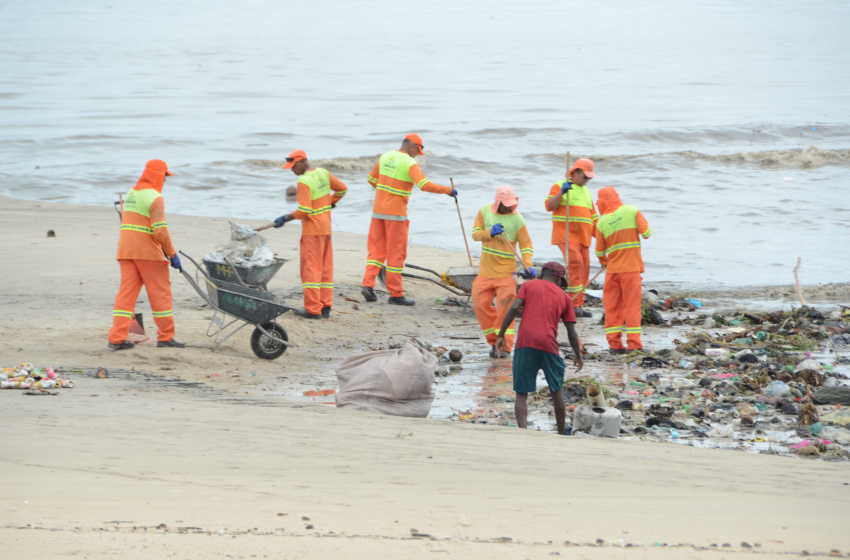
(246,248)
(396,382)
(832,395)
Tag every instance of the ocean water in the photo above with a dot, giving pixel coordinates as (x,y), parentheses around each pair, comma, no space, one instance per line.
(726,123)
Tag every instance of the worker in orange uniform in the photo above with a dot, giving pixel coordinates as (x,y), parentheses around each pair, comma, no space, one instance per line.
(499,227)
(314,210)
(618,236)
(393,178)
(144,251)
(582,214)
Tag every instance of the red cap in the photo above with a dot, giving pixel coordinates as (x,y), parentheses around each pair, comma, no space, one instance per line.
(585,165)
(295,155)
(556,268)
(418,141)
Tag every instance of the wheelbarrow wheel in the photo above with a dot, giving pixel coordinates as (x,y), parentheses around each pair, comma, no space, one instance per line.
(269,347)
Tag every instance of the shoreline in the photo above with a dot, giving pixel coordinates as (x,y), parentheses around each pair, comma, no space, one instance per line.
(135,451)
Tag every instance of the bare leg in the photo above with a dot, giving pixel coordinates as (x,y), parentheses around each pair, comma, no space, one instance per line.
(560,411)
(521,410)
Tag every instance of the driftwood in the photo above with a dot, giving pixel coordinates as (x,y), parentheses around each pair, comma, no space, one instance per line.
(797,278)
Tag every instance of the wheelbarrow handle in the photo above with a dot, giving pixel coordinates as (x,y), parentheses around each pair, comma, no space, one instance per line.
(434,272)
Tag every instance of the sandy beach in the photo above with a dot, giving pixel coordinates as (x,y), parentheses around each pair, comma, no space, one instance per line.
(203,452)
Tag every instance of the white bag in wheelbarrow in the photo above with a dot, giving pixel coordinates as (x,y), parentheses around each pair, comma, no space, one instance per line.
(396,382)
(246,248)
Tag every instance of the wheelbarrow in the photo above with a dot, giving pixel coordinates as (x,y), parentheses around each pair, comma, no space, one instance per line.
(457,280)
(233,302)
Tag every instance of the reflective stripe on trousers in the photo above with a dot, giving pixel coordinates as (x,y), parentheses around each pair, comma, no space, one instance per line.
(153,275)
(387,242)
(490,316)
(622,296)
(317,272)
(579,271)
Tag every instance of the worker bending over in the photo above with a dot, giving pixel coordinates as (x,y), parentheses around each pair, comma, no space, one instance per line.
(582,226)
(618,247)
(393,178)
(499,227)
(543,304)
(314,210)
(144,251)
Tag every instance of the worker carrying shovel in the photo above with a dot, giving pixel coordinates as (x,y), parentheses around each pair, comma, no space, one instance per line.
(314,210)
(498,226)
(582,226)
(393,178)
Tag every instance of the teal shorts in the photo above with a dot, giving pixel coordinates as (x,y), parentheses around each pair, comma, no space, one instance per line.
(528,361)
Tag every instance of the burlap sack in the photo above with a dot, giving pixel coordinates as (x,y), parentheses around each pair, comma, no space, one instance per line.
(393,382)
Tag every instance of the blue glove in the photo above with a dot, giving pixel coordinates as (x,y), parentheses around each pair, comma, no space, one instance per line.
(278,222)
(567,186)
(496,230)
(453,193)
(530,273)
(175,262)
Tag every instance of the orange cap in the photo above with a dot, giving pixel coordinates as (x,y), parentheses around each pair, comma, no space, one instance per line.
(160,165)
(295,155)
(418,141)
(585,165)
(506,196)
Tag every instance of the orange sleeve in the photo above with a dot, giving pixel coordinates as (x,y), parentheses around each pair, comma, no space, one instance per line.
(525,247)
(338,187)
(305,202)
(601,248)
(554,191)
(642,226)
(373,175)
(423,182)
(160,227)
(478,231)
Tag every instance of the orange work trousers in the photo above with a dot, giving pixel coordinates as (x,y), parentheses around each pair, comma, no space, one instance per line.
(317,272)
(387,242)
(490,316)
(153,275)
(578,271)
(622,296)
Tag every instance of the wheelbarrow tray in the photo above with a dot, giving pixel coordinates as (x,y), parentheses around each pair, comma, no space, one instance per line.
(251,275)
(462,276)
(252,305)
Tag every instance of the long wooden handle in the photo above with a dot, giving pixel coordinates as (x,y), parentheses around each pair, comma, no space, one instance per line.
(513,248)
(463,231)
(267,226)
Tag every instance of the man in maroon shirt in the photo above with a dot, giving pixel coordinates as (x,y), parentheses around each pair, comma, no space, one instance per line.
(543,304)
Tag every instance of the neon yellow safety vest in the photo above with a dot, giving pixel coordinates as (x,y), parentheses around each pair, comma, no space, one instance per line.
(319,182)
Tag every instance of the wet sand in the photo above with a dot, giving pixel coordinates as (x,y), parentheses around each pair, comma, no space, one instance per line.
(203,452)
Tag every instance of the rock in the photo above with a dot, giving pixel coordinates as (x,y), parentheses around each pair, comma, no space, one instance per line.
(455,355)
(291,191)
(784,376)
(706,382)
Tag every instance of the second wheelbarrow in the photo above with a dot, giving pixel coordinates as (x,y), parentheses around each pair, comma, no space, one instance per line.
(457,280)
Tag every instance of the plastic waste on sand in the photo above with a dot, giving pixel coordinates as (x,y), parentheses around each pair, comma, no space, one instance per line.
(721,431)
(777,389)
(597,420)
(836,434)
